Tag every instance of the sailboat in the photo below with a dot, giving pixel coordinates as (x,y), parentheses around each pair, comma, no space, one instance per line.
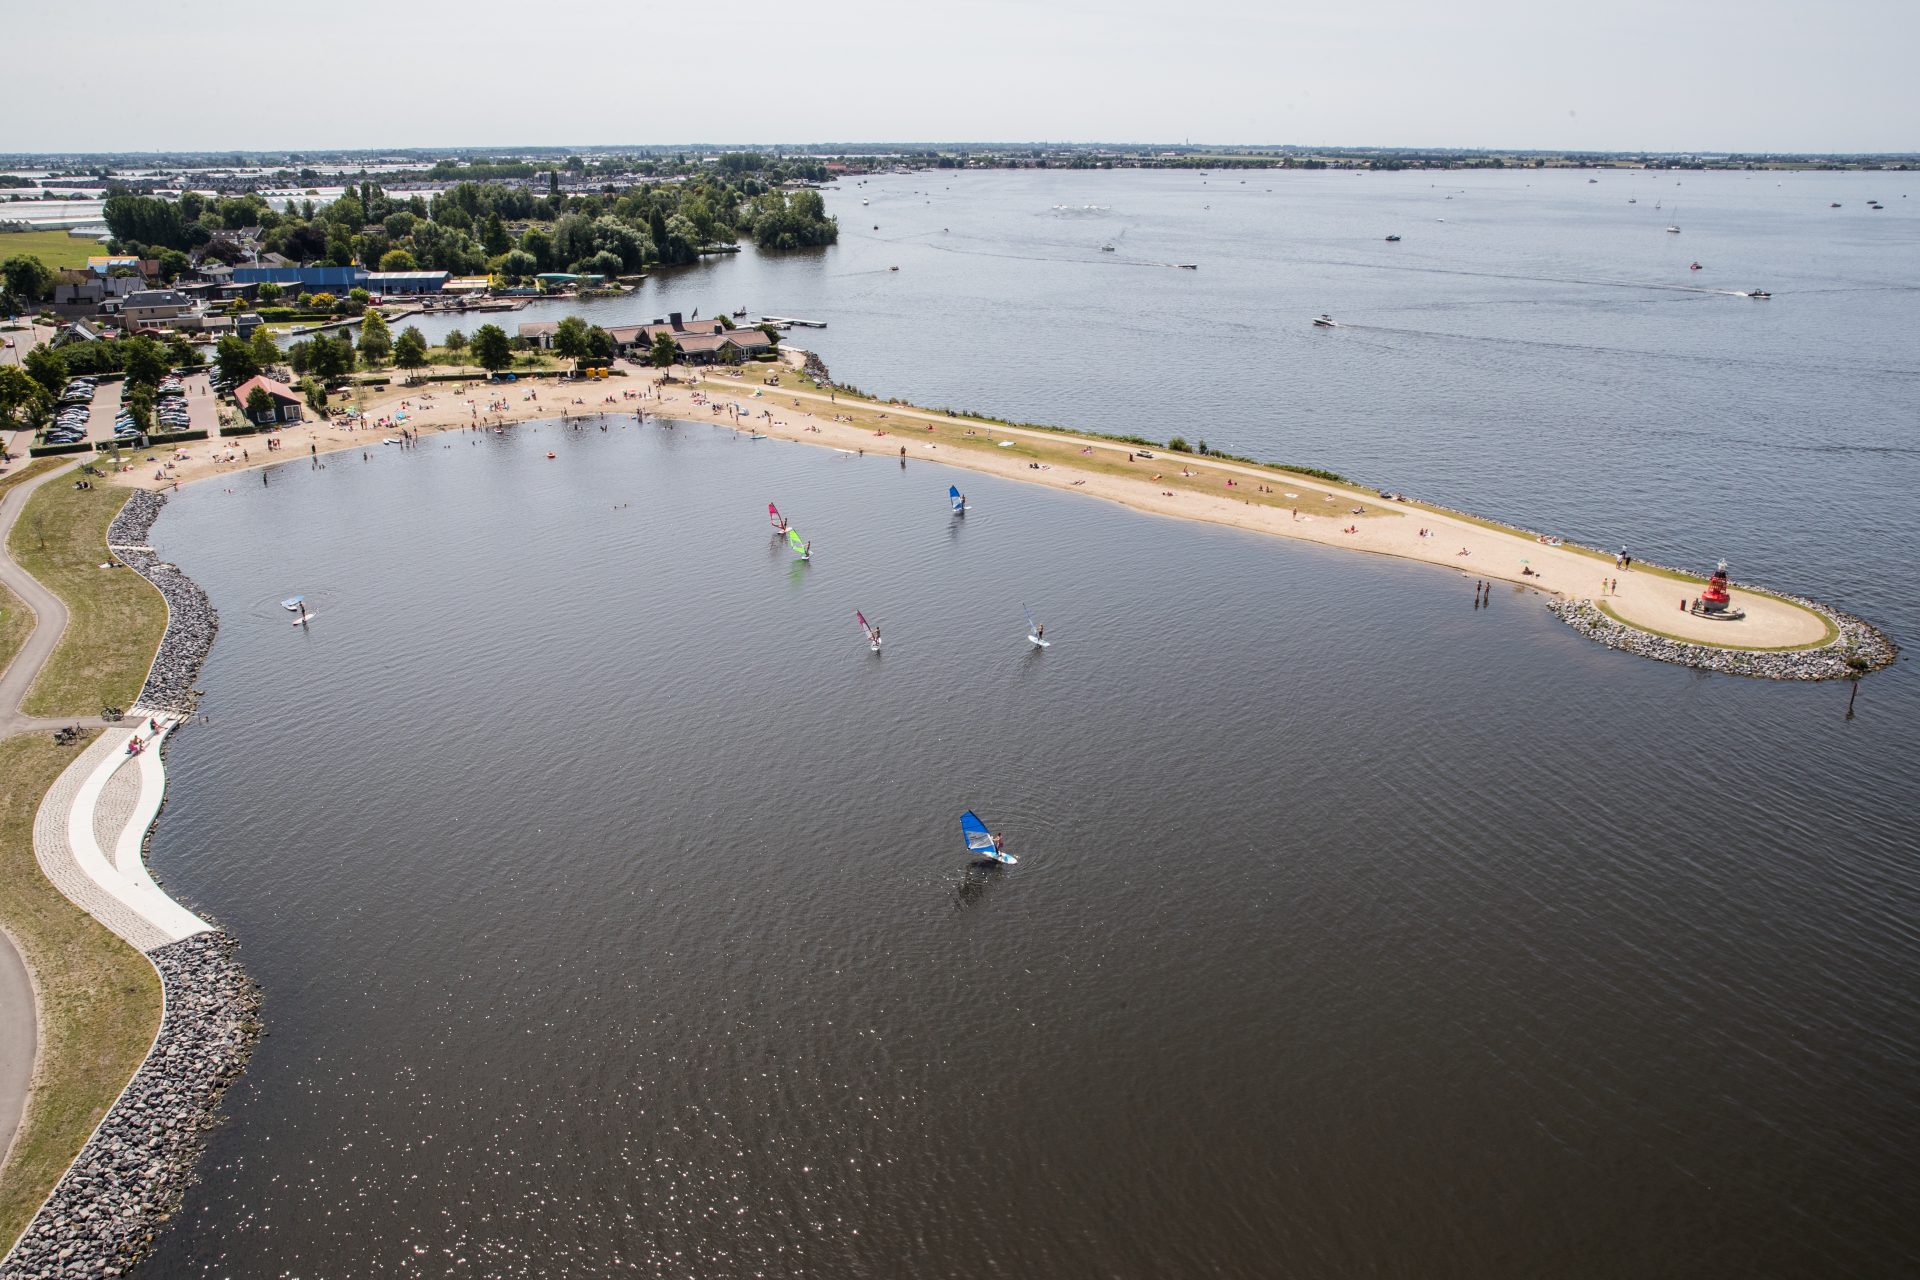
(799,544)
(980,840)
(774,517)
(1033,630)
(1673,228)
(871,632)
(958,499)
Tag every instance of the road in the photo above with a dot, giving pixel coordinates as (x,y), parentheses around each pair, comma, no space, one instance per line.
(19,1032)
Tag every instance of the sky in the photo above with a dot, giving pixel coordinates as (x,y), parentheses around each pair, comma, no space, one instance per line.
(1677,75)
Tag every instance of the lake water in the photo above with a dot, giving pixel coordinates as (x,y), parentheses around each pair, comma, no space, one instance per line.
(607,892)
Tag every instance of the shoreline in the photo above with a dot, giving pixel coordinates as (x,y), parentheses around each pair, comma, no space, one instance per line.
(1798,638)
(132,1171)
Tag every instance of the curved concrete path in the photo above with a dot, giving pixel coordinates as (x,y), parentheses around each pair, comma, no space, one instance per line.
(89,835)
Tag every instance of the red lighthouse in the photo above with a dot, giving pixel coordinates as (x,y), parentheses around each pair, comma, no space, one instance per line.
(1716,602)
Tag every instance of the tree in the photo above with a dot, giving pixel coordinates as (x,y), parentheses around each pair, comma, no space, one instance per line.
(28,278)
(182,354)
(600,344)
(234,355)
(494,235)
(376,340)
(48,368)
(604,263)
(266,353)
(20,394)
(540,245)
(269,294)
(491,348)
(173,264)
(315,393)
(332,357)
(410,348)
(322,301)
(145,360)
(570,339)
(518,264)
(260,405)
(455,341)
(138,402)
(397,259)
(664,353)
(359,297)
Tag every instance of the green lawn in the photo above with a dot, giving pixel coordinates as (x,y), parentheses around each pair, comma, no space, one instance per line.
(55,248)
(117,616)
(99,999)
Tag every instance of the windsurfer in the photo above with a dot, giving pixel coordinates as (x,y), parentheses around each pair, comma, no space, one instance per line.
(1039,631)
(999,844)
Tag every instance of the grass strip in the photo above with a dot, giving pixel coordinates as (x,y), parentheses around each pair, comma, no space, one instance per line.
(117,617)
(99,998)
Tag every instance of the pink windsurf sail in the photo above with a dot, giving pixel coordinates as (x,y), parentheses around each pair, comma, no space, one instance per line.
(774,518)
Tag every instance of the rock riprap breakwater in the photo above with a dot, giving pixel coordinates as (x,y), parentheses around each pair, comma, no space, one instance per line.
(1859,648)
(132,1173)
(191,620)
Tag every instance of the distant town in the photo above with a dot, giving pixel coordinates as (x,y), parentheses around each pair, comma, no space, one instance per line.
(124,274)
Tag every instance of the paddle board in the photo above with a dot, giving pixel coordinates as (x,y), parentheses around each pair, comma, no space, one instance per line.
(301,622)
(1044,644)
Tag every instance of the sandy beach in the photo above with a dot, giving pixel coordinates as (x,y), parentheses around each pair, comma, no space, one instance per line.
(779,403)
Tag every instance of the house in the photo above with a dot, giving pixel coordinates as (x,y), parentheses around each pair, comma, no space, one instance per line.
(151,308)
(390,283)
(540,332)
(77,331)
(705,348)
(286,402)
(335,280)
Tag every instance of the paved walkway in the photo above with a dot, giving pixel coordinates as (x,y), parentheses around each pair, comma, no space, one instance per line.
(19,1028)
(90,833)
(49,613)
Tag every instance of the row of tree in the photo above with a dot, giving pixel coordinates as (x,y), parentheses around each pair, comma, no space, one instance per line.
(475,227)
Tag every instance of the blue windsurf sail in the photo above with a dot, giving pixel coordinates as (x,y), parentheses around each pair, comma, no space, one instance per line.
(292,602)
(953,496)
(980,840)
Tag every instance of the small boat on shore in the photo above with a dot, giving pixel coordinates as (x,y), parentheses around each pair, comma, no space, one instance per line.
(1325,321)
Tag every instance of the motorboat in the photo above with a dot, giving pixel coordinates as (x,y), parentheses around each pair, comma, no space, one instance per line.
(1324,321)
(1758,293)
(1106,248)
(1187,266)
(1694,267)
(1834,205)
(1393,239)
